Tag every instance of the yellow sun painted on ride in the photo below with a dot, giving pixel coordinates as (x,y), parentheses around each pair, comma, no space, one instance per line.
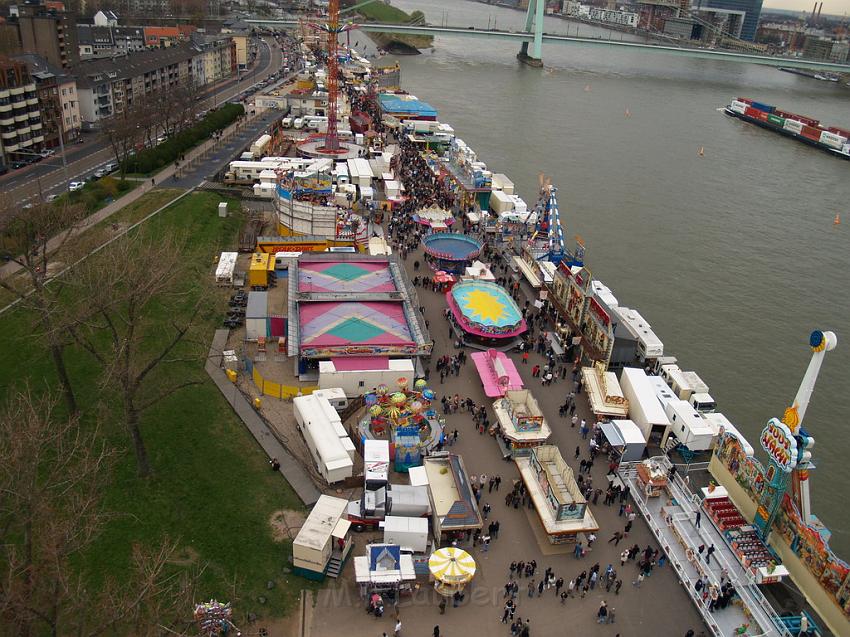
(484,306)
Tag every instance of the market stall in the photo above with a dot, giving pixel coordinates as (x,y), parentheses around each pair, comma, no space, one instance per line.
(652,478)
(604,392)
(451,569)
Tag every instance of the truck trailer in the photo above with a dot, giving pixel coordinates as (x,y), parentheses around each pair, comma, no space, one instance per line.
(645,410)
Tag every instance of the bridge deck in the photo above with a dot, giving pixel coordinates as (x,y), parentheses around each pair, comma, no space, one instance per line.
(520,37)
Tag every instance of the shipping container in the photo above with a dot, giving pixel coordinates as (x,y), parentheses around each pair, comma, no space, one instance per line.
(767,108)
(811,133)
(745,100)
(809,121)
(777,121)
(832,140)
(839,131)
(738,107)
(793,126)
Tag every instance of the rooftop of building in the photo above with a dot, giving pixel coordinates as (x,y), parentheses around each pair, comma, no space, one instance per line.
(126,66)
(40,68)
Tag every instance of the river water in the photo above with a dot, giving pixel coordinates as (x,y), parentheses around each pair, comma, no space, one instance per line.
(732,257)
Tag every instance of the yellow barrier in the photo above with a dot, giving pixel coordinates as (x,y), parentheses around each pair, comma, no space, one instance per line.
(277,390)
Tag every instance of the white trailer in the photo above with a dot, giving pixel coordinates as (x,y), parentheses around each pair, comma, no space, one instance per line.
(684,383)
(648,344)
(258,148)
(357,376)
(718,421)
(645,410)
(689,427)
(408,533)
(702,402)
(662,391)
(257,315)
(376,460)
(330,455)
(334,395)
(324,531)
(225,268)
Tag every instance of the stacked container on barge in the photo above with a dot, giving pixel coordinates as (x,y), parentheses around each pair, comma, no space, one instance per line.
(805,129)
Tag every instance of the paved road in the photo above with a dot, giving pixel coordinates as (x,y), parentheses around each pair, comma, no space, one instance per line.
(659,607)
(47,177)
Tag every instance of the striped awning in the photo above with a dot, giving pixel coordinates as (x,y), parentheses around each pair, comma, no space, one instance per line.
(451,565)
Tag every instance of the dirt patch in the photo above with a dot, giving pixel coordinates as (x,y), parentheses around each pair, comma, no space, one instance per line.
(286,524)
(185,556)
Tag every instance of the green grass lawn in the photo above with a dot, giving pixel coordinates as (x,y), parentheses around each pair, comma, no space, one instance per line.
(383,12)
(212,488)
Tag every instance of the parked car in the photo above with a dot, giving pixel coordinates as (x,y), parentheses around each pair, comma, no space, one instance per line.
(17,164)
(102,172)
(47,152)
(74,186)
(51,198)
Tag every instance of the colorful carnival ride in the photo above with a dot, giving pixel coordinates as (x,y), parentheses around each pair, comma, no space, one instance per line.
(775,497)
(485,312)
(451,252)
(547,241)
(405,418)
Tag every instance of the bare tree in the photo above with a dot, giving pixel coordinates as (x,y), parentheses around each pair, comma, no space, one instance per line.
(53,471)
(35,241)
(117,290)
(124,131)
(52,475)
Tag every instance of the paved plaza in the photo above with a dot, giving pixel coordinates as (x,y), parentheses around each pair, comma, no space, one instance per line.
(659,606)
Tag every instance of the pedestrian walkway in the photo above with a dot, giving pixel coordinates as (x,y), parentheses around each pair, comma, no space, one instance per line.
(290,468)
(672,519)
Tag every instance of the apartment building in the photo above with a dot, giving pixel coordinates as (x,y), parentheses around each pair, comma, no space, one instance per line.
(49,32)
(21,128)
(57,99)
(107,87)
(216,58)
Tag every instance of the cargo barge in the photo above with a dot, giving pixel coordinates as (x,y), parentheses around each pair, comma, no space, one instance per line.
(834,140)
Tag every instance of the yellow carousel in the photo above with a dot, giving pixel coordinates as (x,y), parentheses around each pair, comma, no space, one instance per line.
(452,569)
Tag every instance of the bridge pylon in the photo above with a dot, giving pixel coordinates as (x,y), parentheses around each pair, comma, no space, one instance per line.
(533,20)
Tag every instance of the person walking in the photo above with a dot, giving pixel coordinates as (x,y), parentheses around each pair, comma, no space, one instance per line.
(639,580)
(611,615)
(531,588)
(442,612)
(436,631)
(559,584)
(486,509)
(708,554)
(397,630)
(698,519)
(602,613)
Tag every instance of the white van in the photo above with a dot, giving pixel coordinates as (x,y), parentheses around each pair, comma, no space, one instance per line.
(298,123)
(287,122)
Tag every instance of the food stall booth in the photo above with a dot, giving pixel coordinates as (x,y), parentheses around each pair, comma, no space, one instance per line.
(604,392)
(652,478)
(520,422)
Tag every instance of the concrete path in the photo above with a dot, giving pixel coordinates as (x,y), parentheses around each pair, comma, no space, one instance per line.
(291,470)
